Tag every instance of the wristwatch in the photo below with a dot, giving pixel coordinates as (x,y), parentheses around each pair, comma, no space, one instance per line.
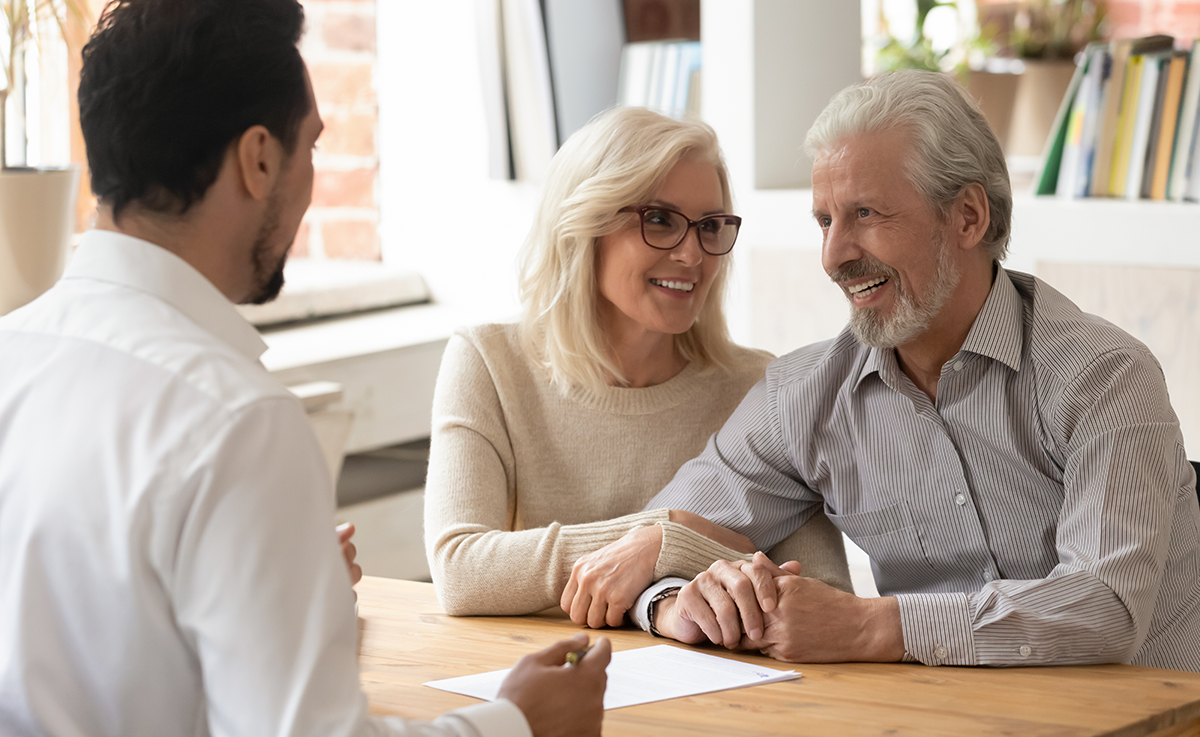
(664,594)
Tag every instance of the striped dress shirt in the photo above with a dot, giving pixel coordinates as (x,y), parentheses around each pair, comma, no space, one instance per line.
(1041,511)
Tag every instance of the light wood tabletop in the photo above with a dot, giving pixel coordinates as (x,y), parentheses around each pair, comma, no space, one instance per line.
(405,639)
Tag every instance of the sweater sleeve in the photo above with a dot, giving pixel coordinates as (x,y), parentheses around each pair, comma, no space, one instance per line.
(479,564)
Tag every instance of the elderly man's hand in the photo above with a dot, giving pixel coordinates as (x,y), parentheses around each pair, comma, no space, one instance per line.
(722,603)
(816,623)
(606,582)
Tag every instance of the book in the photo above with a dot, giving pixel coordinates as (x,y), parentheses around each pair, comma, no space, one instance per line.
(1153,124)
(658,54)
(1192,193)
(1173,90)
(661,75)
(669,74)
(1091,122)
(633,89)
(1126,121)
(1109,122)
(1046,180)
(1177,180)
(689,65)
(1079,146)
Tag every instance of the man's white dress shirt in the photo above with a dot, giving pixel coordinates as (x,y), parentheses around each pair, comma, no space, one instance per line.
(168,564)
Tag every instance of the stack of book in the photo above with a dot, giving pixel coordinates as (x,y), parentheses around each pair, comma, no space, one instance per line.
(661,75)
(1128,124)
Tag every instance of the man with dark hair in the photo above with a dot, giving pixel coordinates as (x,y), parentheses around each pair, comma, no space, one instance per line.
(167,563)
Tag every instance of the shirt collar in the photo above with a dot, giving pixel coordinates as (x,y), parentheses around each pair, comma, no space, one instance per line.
(998,331)
(996,334)
(116,258)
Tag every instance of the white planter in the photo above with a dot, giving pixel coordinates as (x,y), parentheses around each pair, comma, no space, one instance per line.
(37,217)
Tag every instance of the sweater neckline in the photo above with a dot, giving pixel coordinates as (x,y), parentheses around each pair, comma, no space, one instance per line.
(643,400)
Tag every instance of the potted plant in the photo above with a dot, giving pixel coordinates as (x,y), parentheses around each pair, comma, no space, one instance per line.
(36,205)
(918,52)
(1041,37)
(995,92)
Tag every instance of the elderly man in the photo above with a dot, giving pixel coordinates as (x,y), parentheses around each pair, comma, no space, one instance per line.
(167,559)
(1012,465)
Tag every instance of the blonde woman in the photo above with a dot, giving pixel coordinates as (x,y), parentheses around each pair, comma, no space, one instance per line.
(552,433)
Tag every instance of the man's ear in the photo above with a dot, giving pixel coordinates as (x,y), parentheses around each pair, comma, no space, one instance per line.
(260,159)
(972,216)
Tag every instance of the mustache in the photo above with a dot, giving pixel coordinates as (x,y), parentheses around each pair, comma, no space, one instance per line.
(865,266)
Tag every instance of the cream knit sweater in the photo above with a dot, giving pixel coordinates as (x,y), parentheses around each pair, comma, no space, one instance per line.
(524,479)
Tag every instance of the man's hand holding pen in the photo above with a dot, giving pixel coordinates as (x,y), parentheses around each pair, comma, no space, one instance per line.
(558,700)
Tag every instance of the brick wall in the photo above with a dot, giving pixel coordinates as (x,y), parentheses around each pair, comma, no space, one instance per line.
(339,48)
(1179,18)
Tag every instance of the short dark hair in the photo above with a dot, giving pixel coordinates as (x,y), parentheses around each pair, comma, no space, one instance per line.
(168,85)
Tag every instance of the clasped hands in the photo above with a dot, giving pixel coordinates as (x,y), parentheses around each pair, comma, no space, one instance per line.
(751,605)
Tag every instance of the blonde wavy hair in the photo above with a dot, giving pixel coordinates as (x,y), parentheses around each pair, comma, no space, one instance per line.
(620,158)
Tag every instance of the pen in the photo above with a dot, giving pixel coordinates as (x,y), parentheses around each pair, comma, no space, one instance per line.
(574,657)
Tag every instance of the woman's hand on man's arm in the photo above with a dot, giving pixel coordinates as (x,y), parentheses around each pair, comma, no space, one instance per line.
(606,582)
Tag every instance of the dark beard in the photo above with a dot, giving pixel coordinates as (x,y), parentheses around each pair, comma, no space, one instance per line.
(271,289)
(268,277)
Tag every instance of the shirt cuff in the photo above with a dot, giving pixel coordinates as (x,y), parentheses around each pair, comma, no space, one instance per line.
(937,629)
(640,613)
(499,718)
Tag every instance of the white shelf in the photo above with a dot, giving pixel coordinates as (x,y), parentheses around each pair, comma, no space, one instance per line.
(1104,231)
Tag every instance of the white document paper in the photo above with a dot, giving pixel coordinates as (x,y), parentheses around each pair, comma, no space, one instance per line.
(643,675)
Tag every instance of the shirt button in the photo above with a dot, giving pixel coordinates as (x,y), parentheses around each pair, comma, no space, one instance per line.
(958,365)
(988,576)
(1025,651)
(959,499)
(940,651)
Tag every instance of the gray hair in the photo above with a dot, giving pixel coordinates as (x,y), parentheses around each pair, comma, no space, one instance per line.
(620,158)
(952,144)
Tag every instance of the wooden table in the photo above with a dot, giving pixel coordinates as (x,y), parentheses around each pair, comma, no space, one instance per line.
(405,639)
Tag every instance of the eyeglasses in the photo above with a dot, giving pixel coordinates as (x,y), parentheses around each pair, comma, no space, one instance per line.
(664,229)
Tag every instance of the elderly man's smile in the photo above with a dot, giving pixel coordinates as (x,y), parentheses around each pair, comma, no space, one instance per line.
(863,291)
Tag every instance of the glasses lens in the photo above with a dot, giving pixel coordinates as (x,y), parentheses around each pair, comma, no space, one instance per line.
(662,228)
(717,233)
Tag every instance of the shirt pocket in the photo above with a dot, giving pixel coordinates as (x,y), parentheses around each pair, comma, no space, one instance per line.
(890,537)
